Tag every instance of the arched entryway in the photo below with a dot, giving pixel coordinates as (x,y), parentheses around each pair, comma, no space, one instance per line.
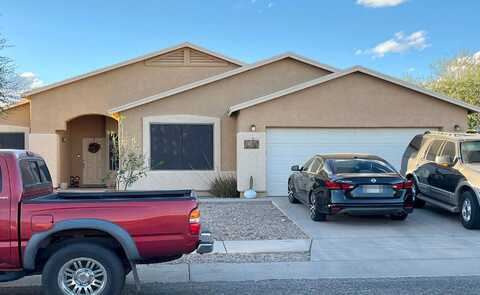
(86,151)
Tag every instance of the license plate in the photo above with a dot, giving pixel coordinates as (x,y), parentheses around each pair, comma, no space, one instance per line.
(373,189)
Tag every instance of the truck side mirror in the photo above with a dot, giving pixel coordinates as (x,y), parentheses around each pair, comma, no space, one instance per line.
(295,168)
(444,161)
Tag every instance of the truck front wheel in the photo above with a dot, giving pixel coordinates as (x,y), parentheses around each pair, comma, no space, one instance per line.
(83,268)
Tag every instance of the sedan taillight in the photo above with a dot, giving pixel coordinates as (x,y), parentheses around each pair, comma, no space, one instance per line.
(194,221)
(403,185)
(332,185)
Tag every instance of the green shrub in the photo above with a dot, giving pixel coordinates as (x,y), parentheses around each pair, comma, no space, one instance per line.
(224,186)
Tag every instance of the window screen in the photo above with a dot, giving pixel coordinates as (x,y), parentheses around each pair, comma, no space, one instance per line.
(14,140)
(433,150)
(181,146)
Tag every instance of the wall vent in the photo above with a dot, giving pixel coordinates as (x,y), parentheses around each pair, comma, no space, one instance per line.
(186,57)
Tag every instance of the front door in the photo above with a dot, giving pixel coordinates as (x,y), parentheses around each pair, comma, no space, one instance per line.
(94,161)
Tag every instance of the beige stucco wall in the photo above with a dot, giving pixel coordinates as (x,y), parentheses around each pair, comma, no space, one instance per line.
(17,116)
(213,100)
(356,100)
(51,109)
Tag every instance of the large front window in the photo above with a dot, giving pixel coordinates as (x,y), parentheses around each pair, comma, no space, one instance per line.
(181,146)
(470,151)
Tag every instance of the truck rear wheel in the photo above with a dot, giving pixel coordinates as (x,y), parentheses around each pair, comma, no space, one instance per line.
(83,268)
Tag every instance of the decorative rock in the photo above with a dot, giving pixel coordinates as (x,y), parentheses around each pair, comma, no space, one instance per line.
(250,194)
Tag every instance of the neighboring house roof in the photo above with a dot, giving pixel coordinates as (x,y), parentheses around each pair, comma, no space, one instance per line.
(218,77)
(16,104)
(131,61)
(356,69)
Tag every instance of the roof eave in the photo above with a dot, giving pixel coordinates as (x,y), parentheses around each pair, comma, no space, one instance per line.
(218,77)
(318,81)
(128,62)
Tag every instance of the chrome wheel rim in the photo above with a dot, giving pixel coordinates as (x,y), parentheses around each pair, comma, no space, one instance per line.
(82,276)
(291,194)
(313,206)
(467,210)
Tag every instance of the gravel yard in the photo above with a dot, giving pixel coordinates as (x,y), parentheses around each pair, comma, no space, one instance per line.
(244,258)
(243,220)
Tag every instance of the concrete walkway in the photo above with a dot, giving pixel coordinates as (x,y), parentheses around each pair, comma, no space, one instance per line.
(261,246)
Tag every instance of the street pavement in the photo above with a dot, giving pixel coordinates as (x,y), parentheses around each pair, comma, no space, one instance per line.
(394,286)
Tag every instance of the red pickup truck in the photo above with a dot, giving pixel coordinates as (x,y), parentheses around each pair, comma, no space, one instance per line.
(86,243)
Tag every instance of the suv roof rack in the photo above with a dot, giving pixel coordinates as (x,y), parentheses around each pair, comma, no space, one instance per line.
(452,134)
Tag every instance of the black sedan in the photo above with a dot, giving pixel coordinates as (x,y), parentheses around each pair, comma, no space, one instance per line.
(352,184)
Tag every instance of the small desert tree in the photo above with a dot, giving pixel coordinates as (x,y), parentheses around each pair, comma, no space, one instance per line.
(458,77)
(10,82)
(132,164)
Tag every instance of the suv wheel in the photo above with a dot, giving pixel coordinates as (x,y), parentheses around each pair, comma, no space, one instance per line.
(470,211)
(292,198)
(83,268)
(315,213)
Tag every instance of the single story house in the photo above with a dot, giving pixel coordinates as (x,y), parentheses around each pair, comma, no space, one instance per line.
(197,114)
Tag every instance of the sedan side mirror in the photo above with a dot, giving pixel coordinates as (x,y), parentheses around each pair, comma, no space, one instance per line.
(444,161)
(295,168)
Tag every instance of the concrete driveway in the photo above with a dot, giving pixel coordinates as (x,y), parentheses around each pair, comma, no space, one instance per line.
(428,235)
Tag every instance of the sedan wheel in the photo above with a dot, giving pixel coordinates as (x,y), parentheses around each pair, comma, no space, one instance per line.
(292,198)
(315,213)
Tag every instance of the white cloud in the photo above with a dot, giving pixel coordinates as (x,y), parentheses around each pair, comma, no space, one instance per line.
(30,80)
(380,3)
(399,43)
(476,57)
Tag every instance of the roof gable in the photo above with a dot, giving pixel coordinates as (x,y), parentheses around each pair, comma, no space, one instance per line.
(197,56)
(357,69)
(219,77)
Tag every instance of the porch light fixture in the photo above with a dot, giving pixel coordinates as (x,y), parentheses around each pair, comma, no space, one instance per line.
(253,128)
(456,127)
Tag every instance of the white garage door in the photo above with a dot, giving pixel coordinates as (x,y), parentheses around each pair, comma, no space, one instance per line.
(293,146)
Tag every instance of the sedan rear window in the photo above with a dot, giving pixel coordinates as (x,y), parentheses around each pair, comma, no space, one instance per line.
(360,166)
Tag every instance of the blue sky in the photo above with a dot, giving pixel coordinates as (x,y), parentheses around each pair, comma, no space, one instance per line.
(54,40)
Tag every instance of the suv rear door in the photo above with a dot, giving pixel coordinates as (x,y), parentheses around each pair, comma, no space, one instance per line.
(446,178)
(425,171)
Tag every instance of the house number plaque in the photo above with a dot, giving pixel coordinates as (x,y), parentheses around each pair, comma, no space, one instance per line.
(251,144)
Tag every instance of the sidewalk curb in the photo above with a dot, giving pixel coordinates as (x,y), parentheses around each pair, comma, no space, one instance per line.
(233,272)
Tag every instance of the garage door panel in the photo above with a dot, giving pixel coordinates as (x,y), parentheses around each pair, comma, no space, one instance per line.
(288,147)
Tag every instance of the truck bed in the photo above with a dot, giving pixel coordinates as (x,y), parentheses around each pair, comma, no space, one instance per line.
(113,196)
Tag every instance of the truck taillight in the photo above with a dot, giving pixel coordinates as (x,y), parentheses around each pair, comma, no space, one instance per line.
(194,222)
